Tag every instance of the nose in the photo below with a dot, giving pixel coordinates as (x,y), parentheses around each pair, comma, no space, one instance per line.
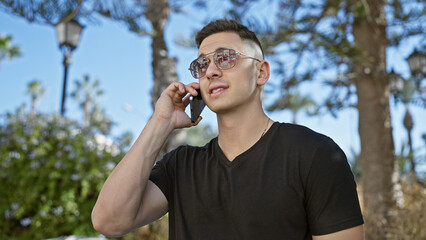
(213,71)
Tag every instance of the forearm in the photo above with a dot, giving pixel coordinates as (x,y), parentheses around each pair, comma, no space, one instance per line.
(120,198)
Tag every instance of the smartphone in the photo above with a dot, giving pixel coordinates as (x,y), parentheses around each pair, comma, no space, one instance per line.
(197,106)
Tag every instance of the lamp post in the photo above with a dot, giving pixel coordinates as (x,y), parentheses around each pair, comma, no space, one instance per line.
(404,90)
(68,36)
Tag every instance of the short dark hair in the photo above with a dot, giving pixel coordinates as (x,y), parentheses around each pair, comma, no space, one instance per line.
(224,25)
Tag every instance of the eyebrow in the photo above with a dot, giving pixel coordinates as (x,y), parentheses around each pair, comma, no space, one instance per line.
(217,49)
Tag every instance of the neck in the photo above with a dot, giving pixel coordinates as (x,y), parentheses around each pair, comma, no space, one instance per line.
(240,130)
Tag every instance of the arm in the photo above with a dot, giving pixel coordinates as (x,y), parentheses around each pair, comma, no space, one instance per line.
(355,233)
(128,199)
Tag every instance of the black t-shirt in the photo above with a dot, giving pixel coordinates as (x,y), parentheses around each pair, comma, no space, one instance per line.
(292,184)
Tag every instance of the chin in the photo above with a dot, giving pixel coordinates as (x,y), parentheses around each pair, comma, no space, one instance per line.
(216,108)
(221,108)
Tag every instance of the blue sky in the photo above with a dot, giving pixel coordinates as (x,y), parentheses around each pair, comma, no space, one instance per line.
(122,62)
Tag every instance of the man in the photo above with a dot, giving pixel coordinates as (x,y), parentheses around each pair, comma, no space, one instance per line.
(258,179)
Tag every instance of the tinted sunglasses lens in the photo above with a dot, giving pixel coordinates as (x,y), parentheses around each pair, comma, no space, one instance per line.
(193,69)
(225,58)
(200,66)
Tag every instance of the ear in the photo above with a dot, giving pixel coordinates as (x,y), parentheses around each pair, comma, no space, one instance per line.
(262,72)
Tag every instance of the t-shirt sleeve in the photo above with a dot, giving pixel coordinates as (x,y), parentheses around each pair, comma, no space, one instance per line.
(162,174)
(331,198)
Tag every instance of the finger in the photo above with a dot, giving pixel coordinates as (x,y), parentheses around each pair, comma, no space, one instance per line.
(192,88)
(174,86)
(194,85)
(177,97)
(177,87)
(177,91)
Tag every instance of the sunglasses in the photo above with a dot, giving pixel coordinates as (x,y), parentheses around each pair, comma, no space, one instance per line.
(223,58)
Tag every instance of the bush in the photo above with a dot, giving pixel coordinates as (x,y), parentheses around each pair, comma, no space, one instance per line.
(51,172)
(410,219)
(407,219)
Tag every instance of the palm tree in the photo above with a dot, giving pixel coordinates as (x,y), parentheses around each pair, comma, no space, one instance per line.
(36,91)
(163,66)
(99,120)
(300,102)
(295,102)
(6,48)
(86,92)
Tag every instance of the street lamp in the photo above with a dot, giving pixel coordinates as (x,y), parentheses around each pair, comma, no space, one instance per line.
(417,64)
(405,89)
(68,36)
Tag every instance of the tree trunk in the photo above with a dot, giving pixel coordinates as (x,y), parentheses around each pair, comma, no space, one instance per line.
(378,161)
(33,105)
(87,110)
(163,67)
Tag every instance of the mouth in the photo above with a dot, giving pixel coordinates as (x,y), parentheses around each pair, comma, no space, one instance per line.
(214,92)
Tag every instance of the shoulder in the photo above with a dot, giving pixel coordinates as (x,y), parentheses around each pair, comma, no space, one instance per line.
(186,153)
(306,149)
(298,135)
(297,130)
(186,150)
(319,145)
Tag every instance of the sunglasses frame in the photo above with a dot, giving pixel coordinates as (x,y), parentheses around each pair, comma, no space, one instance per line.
(193,72)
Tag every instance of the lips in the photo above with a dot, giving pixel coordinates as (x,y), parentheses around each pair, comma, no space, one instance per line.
(217,90)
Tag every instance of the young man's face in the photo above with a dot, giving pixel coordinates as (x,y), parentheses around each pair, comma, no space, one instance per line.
(230,89)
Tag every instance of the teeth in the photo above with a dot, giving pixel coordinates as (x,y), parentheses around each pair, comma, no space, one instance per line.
(217,90)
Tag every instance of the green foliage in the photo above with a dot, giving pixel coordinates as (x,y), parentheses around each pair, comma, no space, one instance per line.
(36,91)
(130,13)
(51,173)
(295,102)
(87,92)
(317,39)
(86,89)
(6,48)
(200,135)
(44,11)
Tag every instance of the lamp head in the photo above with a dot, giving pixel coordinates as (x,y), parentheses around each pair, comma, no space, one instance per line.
(69,33)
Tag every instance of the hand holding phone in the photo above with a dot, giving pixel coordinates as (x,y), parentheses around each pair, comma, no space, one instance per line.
(197,105)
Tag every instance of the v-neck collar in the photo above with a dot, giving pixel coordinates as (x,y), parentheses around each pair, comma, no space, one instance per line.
(239,158)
